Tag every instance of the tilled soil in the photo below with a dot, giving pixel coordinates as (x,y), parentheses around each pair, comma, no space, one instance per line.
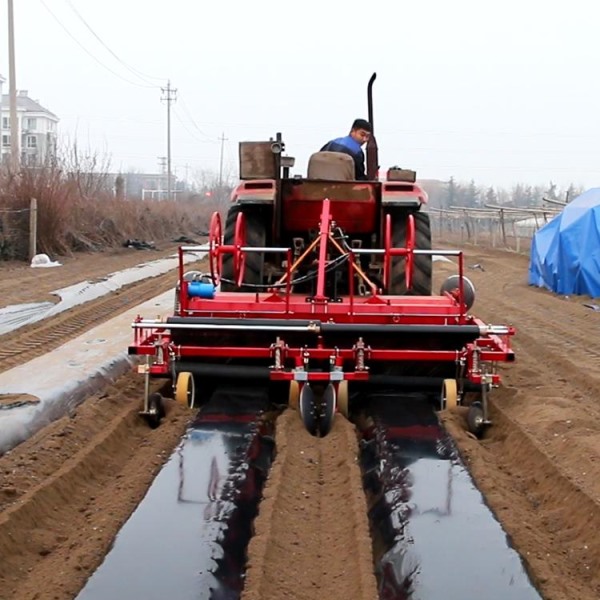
(65,492)
(312,534)
(539,465)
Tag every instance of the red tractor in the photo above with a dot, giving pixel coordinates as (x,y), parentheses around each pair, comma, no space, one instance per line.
(283,211)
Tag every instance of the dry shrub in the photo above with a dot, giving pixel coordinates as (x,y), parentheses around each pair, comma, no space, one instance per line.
(76,213)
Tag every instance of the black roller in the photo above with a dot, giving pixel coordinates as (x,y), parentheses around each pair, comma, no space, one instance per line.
(241,322)
(464,330)
(223,371)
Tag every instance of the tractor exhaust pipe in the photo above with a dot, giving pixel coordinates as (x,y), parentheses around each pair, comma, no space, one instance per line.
(372,150)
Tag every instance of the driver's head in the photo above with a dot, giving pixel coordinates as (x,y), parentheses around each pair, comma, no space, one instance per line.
(361,131)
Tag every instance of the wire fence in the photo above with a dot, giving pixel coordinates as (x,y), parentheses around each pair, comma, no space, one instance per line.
(18,231)
(490,226)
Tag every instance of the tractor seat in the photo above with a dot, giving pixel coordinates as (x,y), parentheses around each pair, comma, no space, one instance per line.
(332,166)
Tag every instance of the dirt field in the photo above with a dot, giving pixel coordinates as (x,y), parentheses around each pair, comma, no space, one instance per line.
(20,283)
(65,492)
(308,544)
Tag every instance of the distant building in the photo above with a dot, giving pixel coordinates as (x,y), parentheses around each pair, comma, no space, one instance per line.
(151,185)
(36,126)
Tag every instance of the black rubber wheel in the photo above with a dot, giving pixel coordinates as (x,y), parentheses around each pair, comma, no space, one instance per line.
(308,410)
(422,270)
(156,410)
(256,235)
(327,410)
(475,419)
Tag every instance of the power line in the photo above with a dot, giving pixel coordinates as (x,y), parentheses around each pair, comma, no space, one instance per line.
(189,115)
(135,71)
(89,53)
(191,132)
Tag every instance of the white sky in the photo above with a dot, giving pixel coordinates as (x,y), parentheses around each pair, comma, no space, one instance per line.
(501,92)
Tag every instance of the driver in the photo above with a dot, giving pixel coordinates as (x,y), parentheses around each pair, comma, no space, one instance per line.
(352,145)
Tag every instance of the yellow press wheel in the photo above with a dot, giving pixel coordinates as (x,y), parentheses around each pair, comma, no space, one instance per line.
(342,398)
(185,389)
(294,394)
(449,394)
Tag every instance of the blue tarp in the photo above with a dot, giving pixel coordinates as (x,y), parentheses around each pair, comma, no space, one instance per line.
(565,253)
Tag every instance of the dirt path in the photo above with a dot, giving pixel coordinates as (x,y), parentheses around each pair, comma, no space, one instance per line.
(312,534)
(65,492)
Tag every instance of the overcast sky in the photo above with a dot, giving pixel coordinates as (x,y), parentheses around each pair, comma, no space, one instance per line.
(501,92)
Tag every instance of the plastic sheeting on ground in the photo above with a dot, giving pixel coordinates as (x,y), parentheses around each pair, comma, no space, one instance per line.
(17,315)
(62,379)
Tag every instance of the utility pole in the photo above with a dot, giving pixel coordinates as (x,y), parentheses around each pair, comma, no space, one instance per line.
(223,140)
(162,163)
(12,83)
(188,187)
(169,95)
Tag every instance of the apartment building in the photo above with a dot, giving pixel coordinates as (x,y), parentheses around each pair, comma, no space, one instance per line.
(37,128)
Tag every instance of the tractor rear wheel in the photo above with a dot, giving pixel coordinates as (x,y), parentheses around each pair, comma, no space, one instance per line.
(422,269)
(256,235)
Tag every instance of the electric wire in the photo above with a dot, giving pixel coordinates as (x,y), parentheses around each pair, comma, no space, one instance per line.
(136,72)
(91,54)
(188,130)
(189,115)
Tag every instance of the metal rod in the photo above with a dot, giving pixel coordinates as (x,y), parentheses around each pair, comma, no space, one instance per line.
(318,327)
(415,251)
(323,238)
(351,328)
(202,248)
(239,327)
(147,384)
(495,330)
(263,249)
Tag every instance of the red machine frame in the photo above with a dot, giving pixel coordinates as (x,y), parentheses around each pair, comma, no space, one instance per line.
(287,314)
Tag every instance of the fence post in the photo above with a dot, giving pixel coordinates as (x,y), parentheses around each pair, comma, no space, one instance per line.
(517,237)
(32,228)
(503,228)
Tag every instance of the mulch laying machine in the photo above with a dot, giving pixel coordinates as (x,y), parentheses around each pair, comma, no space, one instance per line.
(318,285)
